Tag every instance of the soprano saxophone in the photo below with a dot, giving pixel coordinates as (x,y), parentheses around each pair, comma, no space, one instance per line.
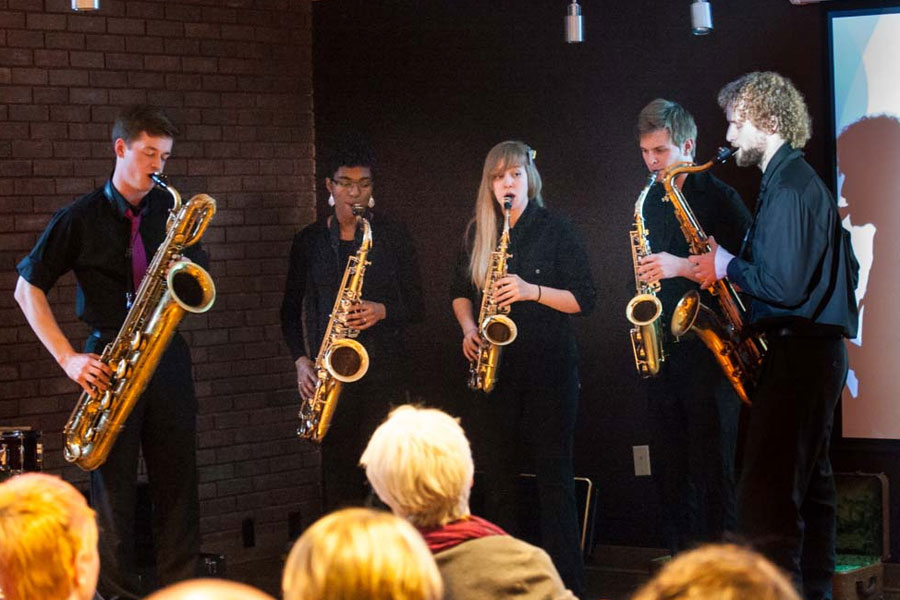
(645,308)
(740,357)
(172,287)
(495,327)
(341,359)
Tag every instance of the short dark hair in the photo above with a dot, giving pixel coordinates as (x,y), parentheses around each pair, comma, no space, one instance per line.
(349,150)
(142,118)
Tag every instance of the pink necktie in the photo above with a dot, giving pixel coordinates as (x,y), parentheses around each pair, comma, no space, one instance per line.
(138,253)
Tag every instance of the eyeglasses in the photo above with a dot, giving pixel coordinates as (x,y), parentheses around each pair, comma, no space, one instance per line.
(363,184)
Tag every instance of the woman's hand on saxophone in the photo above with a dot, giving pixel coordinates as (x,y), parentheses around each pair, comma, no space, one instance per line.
(365,314)
(513,288)
(87,370)
(471,343)
(306,376)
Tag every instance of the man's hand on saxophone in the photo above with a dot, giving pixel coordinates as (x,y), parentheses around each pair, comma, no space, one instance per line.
(87,370)
(306,376)
(365,314)
(663,265)
(711,266)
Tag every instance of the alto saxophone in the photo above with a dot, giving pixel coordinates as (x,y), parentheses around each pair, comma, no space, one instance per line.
(740,357)
(645,308)
(495,327)
(341,358)
(171,287)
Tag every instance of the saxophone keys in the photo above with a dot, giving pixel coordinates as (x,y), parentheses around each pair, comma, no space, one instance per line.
(105,400)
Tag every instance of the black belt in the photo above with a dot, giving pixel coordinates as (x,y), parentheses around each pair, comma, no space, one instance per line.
(805,330)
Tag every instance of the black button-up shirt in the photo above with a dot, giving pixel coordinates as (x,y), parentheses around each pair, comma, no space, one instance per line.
(546,250)
(316,268)
(91,238)
(796,262)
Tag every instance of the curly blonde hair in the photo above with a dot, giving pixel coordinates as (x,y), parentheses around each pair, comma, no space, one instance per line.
(772,103)
(718,572)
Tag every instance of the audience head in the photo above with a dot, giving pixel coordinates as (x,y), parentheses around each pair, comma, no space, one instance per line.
(49,535)
(420,464)
(209,589)
(718,572)
(361,554)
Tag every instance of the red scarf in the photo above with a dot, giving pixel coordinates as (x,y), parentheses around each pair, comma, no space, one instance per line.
(455,533)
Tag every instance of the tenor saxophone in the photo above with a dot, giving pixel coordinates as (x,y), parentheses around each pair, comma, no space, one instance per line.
(739,356)
(495,328)
(172,287)
(645,308)
(341,359)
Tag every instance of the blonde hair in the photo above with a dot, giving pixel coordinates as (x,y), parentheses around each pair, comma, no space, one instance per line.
(420,464)
(718,572)
(772,103)
(361,554)
(488,216)
(44,524)
(671,116)
(209,589)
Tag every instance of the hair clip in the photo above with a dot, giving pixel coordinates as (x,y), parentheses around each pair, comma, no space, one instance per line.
(532,153)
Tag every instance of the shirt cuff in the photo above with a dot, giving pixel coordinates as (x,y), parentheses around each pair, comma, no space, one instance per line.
(723,257)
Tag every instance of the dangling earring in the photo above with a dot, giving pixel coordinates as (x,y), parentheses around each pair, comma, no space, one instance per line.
(371,202)
(331,200)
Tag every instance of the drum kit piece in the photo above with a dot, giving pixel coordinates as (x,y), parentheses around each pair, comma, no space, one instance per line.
(21,450)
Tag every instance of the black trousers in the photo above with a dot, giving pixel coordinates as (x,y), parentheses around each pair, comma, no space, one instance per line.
(362,406)
(522,426)
(786,503)
(163,425)
(693,416)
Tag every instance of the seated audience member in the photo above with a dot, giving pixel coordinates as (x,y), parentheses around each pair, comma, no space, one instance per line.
(48,540)
(209,589)
(420,464)
(718,572)
(361,554)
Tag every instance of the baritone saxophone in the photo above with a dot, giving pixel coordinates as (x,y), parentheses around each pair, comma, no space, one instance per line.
(739,356)
(495,327)
(341,359)
(171,287)
(645,309)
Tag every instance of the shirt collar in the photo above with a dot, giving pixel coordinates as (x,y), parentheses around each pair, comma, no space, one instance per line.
(781,158)
(119,202)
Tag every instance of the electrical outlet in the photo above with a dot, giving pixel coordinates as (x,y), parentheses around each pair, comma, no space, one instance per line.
(641,460)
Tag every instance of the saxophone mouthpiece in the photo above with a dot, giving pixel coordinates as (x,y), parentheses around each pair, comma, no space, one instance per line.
(160,180)
(724,153)
(508,200)
(358,210)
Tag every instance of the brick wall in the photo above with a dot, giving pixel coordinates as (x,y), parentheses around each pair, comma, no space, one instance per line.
(237,77)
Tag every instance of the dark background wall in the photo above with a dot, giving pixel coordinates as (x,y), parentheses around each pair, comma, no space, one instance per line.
(237,77)
(436,84)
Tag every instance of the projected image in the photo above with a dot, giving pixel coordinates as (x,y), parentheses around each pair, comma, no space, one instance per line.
(866,76)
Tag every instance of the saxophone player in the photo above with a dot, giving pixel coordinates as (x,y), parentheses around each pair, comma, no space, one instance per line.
(530,414)
(391,301)
(798,268)
(107,238)
(692,410)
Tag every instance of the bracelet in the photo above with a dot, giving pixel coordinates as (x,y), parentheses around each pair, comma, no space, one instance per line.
(539,294)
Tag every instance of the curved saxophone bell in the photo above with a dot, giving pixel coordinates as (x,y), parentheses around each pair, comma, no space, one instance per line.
(347,360)
(691,315)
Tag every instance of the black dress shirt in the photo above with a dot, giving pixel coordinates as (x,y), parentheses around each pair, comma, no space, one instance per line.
(546,250)
(719,211)
(316,268)
(797,262)
(91,238)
